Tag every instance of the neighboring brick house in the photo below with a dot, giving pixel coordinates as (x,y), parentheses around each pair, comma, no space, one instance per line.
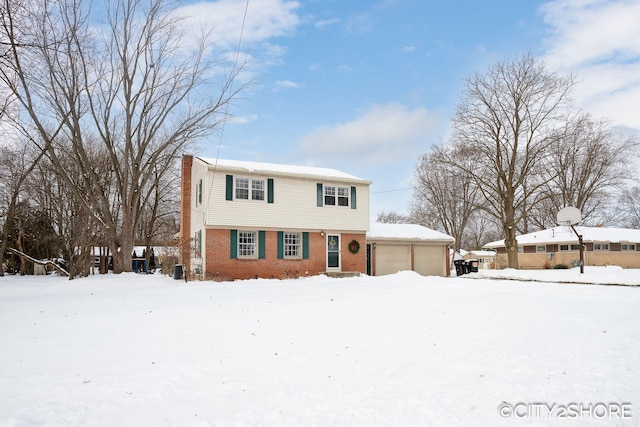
(559,245)
(242,220)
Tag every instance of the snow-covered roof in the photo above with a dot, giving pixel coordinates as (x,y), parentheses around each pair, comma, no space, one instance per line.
(406,232)
(483,253)
(281,169)
(564,234)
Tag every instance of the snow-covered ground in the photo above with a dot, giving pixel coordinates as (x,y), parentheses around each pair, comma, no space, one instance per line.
(399,350)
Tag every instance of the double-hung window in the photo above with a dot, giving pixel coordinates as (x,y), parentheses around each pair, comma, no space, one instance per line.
(600,246)
(292,245)
(628,246)
(329,195)
(257,189)
(247,244)
(242,188)
(336,196)
(249,189)
(343,196)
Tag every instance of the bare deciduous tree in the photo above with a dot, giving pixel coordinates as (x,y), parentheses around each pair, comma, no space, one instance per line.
(504,123)
(445,196)
(589,164)
(137,85)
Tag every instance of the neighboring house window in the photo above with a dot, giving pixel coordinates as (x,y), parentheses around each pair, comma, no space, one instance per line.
(247,244)
(570,247)
(520,249)
(249,189)
(600,246)
(541,248)
(292,245)
(628,246)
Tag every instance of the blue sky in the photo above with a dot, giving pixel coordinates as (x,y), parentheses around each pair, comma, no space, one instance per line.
(368,86)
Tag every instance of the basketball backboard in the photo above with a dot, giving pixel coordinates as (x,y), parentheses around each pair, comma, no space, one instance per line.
(569,216)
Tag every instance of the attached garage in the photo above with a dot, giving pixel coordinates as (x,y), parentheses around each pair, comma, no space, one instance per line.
(399,247)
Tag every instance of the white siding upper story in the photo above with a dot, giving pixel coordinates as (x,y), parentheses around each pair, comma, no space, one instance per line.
(292,195)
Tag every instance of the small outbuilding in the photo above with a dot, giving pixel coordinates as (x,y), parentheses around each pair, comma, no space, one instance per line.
(399,247)
(486,258)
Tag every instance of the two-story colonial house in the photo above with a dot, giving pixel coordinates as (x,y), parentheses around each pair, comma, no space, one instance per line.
(242,220)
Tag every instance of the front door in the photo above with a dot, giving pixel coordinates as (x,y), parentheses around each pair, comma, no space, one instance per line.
(333,252)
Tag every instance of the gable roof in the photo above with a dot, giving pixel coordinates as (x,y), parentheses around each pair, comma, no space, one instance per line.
(564,234)
(242,166)
(406,232)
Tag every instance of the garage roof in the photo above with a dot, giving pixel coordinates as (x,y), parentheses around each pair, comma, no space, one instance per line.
(406,232)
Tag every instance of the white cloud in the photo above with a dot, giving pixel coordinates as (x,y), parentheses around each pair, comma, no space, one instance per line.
(265,19)
(599,42)
(326,22)
(288,84)
(383,134)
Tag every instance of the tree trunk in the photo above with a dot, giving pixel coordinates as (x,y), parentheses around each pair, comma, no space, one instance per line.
(511,246)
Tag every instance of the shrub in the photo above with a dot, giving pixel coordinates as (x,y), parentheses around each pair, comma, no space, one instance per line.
(560,267)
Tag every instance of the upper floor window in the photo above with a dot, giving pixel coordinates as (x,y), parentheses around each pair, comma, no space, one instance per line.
(336,196)
(199,193)
(249,189)
(257,189)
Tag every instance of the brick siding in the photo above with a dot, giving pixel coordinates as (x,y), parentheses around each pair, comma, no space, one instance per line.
(220,266)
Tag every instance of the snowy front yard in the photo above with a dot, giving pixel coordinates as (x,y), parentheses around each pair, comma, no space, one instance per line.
(400,350)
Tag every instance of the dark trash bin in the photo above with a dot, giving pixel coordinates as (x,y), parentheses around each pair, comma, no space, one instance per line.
(178,271)
(472,266)
(460,267)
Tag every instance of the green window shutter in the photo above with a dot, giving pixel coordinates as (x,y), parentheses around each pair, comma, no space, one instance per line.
(280,244)
(305,245)
(234,243)
(200,192)
(353,197)
(200,242)
(229,187)
(320,195)
(270,190)
(262,244)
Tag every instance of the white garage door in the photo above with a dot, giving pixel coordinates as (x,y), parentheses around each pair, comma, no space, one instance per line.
(429,260)
(392,258)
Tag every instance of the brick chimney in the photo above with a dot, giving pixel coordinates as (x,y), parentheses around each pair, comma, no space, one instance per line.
(185,213)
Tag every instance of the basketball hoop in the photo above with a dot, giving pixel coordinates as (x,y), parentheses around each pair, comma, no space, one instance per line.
(571,216)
